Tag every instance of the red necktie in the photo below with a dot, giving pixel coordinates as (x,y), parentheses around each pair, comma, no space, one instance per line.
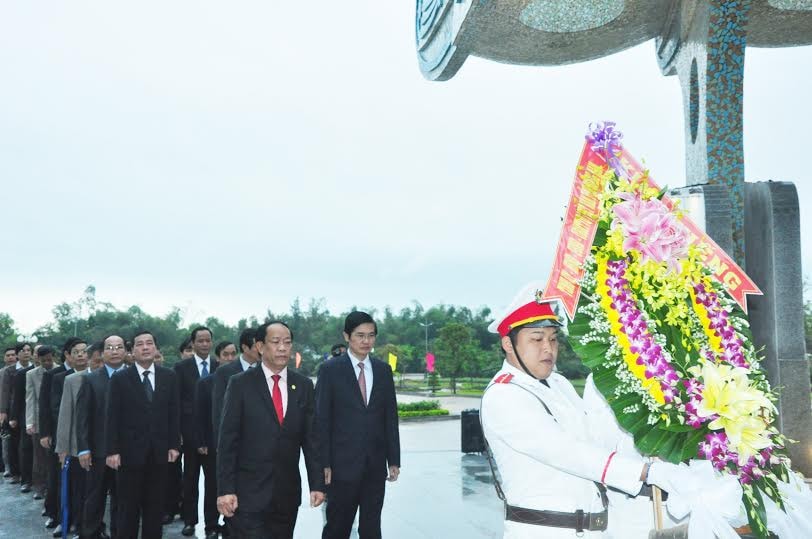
(277,399)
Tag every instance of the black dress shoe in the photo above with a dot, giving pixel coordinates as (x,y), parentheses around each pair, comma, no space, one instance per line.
(167,519)
(14,481)
(212,534)
(58,531)
(44,513)
(188,530)
(51,523)
(6,474)
(25,489)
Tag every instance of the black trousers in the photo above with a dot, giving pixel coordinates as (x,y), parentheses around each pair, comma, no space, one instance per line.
(100,481)
(141,492)
(272,523)
(13,464)
(192,463)
(174,488)
(53,482)
(26,455)
(344,498)
(76,492)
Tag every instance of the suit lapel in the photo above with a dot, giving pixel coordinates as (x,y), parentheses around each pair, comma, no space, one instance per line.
(294,389)
(352,379)
(132,372)
(261,385)
(376,380)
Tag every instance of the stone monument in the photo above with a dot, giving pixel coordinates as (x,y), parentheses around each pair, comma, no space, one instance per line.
(703,42)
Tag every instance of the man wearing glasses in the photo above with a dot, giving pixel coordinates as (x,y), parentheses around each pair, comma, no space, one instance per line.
(90,415)
(357,423)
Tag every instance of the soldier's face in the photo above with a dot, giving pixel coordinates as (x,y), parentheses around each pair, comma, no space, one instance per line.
(538,348)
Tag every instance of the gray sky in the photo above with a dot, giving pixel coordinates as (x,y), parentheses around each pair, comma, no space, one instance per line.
(227,158)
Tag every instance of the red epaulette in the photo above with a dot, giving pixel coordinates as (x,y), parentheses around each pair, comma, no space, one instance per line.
(503,379)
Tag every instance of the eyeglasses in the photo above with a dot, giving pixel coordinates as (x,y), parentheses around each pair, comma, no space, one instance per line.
(114,348)
(364,336)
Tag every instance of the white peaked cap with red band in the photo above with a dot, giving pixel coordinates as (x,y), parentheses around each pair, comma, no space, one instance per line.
(527,310)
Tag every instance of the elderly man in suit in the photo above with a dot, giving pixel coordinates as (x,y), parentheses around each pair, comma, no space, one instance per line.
(268,419)
(142,435)
(33,384)
(91,404)
(66,446)
(188,372)
(358,431)
(25,450)
(249,356)
(47,434)
(10,456)
(9,360)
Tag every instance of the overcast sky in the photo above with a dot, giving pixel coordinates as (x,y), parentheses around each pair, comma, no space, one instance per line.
(228,157)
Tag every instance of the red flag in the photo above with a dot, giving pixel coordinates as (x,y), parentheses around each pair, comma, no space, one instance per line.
(429,362)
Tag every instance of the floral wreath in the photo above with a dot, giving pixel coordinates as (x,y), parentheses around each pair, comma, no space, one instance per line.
(668,348)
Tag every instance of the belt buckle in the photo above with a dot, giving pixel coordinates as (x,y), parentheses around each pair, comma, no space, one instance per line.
(598,521)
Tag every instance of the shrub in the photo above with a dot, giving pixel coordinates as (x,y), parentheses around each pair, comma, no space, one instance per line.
(418,406)
(422,413)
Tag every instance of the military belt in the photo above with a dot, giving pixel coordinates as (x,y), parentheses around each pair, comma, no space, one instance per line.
(578,521)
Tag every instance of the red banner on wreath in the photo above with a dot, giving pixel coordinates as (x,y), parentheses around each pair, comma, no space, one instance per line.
(581,223)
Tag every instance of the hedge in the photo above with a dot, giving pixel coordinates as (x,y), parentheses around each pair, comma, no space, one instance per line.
(418,406)
(422,413)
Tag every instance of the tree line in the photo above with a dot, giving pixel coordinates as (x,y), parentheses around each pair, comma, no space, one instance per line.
(457,336)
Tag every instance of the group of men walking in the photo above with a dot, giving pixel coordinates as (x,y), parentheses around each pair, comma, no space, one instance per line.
(111,422)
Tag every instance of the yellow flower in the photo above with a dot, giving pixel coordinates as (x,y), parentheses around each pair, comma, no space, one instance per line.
(740,407)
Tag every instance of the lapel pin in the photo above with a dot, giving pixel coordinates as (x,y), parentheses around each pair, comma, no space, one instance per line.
(293,386)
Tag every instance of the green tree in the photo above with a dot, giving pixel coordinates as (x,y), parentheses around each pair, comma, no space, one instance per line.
(455,351)
(8,335)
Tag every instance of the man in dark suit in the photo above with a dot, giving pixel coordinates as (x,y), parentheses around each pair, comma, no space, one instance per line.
(226,353)
(91,404)
(25,451)
(142,435)
(62,403)
(188,372)
(9,367)
(174,485)
(248,358)
(47,436)
(358,431)
(268,418)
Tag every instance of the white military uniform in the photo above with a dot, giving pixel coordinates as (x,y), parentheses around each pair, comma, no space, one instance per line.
(629,517)
(547,461)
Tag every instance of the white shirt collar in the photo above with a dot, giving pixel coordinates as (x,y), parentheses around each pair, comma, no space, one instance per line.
(355,360)
(200,360)
(245,364)
(283,374)
(141,370)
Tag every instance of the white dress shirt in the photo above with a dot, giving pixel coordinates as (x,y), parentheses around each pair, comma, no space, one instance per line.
(151,376)
(199,362)
(283,385)
(245,364)
(367,371)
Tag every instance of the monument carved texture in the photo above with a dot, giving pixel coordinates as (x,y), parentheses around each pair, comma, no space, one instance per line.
(703,43)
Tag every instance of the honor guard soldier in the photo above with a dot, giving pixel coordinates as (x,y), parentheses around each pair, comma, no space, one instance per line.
(553,476)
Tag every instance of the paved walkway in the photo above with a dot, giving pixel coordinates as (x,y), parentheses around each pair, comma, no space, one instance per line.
(440,493)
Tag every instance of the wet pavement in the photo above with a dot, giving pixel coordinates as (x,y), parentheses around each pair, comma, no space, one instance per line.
(441,493)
